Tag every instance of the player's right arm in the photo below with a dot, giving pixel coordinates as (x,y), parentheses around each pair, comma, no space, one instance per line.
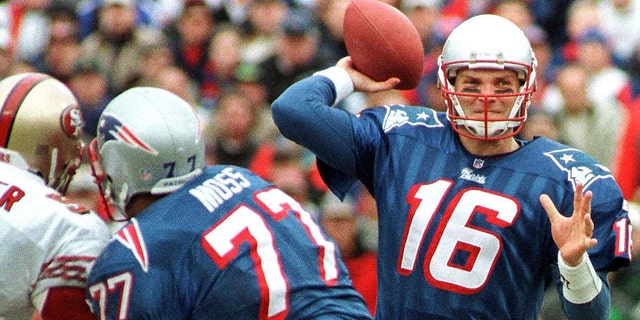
(304,114)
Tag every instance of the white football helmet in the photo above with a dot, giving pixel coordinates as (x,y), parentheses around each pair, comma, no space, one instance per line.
(41,127)
(487,41)
(148,141)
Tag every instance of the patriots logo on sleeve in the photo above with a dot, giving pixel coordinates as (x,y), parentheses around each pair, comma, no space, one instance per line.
(111,128)
(131,237)
(578,169)
(398,116)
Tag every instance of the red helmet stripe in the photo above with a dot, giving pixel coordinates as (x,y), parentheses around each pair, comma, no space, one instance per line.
(13,102)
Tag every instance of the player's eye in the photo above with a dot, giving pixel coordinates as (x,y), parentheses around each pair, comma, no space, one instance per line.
(470,90)
(504,91)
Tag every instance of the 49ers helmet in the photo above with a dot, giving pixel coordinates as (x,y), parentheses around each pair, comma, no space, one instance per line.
(41,127)
(148,141)
(487,42)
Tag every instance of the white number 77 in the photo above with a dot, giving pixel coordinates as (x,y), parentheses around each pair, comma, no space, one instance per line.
(244,224)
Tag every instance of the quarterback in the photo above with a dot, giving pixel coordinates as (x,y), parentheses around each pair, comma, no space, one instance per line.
(473,223)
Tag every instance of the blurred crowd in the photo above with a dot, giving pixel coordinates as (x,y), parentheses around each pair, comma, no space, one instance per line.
(231,58)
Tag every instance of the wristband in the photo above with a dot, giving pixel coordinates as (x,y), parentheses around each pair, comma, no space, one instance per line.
(580,284)
(341,81)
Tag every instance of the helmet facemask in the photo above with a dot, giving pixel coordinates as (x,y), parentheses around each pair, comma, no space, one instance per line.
(486,128)
(61,182)
(104,186)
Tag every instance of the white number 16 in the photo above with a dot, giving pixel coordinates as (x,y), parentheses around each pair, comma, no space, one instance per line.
(455,234)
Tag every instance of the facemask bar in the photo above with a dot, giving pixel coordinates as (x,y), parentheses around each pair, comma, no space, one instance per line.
(103,185)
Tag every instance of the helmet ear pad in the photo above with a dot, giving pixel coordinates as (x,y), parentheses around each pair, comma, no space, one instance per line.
(149,141)
(42,122)
(487,42)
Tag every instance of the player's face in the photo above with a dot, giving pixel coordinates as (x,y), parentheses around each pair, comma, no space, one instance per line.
(487,92)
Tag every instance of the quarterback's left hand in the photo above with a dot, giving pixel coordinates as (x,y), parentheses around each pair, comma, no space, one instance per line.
(572,235)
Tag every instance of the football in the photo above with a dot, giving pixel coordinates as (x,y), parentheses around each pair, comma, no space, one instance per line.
(383,43)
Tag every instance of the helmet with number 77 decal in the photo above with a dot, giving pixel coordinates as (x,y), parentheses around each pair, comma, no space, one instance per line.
(40,127)
(148,141)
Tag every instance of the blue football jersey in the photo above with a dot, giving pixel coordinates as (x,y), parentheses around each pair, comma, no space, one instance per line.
(228,245)
(461,236)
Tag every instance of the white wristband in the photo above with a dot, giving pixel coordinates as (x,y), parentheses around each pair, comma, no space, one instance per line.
(580,284)
(341,80)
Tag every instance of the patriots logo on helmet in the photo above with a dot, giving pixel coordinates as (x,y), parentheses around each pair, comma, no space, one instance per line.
(111,128)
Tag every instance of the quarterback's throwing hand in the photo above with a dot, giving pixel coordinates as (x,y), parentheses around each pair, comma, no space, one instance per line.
(363,83)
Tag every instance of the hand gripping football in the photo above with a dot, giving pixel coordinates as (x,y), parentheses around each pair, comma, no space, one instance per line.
(383,43)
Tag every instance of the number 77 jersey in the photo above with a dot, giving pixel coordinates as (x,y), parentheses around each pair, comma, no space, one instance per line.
(228,245)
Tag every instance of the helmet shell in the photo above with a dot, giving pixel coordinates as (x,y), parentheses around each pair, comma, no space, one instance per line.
(488,41)
(148,140)
(42,122)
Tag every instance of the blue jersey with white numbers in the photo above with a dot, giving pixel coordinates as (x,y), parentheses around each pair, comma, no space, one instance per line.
(460,236)
(227,245)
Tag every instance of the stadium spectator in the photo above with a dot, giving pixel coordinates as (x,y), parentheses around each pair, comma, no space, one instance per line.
(117,42)
(297,53)
(190,38)
(583,123)
(345,227)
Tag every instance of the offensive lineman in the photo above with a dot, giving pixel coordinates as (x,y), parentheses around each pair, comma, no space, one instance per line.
(202,242)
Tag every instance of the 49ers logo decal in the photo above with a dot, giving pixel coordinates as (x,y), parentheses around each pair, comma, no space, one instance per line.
(71,121)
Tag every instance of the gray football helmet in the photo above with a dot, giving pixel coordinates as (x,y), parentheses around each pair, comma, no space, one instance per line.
(487,41)
(148,141)
(40,127)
